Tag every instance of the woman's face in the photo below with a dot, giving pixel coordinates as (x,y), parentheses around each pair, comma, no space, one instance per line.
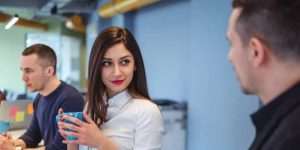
(117,69)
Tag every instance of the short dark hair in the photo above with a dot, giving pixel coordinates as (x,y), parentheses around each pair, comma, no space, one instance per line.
(275,22)
(46,55)
(96,89)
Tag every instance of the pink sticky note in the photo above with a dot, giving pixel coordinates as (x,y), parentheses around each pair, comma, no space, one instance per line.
(13,111)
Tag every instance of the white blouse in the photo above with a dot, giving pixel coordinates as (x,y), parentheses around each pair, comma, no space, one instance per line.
(133,124)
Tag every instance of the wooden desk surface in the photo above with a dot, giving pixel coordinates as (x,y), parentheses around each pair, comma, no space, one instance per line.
(16,133)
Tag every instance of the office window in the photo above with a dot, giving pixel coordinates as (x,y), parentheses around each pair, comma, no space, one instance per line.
(67,50)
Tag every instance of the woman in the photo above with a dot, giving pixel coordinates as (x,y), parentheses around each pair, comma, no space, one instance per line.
(120,113)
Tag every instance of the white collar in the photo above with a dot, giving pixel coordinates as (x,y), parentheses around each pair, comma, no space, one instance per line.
(116,103)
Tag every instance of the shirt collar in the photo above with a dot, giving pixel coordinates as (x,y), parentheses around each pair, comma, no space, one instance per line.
(265,113)
(277,107)
(116,103)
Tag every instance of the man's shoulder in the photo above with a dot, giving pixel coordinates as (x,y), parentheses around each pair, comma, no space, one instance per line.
(69,93)
(67,86)
(70,99)
(290,123)
(286,132)
(291,120)
(69,90)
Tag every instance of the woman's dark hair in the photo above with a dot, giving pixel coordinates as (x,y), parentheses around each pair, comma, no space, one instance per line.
(96,89)
(275,22)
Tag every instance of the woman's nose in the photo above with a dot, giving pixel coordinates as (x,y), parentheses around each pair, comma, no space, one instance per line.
(117,71)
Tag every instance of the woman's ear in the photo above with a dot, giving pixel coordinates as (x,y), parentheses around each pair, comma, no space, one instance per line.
(258,52)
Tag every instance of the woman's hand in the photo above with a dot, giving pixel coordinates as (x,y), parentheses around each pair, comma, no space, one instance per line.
(87,133)
(60,115)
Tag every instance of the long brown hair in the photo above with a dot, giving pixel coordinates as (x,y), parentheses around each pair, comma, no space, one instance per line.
(96,89)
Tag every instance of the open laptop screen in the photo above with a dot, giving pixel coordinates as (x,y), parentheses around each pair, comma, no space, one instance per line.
(18,112)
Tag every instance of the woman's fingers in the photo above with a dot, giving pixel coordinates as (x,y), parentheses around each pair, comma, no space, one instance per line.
(72,127)
(69,133)
(78,141)
(60,113)
(83,130)
(73,120)
(71,142)
(64,129)
(87,118)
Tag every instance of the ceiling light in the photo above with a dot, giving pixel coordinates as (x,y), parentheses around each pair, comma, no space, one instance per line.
(75,23)
(12,21)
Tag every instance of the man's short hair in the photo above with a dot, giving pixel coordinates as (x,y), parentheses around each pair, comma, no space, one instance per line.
(46,55)
(275,22)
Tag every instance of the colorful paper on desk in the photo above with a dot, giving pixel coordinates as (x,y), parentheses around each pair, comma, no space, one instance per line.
(13,111)
(30,109)
(17,112)
(20,116)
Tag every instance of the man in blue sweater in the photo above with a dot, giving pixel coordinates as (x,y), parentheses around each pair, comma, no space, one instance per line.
(38,65)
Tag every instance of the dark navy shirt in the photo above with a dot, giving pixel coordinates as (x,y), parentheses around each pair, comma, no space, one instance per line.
(43,125)
(277,123)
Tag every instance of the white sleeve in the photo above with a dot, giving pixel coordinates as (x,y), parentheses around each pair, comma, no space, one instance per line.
(150,128)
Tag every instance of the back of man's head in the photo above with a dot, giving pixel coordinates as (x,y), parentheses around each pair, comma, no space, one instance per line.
(46,55)
(274,22)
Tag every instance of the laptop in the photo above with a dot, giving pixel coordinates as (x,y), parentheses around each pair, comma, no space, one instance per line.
(18,112)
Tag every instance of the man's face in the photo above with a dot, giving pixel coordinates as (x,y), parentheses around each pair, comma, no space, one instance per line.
(239,54)
(33,74)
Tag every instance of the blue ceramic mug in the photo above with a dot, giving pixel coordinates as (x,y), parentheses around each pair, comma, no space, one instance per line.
(77,115)
(4,126)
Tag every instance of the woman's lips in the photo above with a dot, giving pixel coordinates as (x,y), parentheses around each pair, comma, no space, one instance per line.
(117,82)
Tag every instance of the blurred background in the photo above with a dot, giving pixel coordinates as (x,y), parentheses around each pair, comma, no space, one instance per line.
(184,46)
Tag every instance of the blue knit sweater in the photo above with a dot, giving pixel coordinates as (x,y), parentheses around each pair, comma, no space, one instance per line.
(43,125)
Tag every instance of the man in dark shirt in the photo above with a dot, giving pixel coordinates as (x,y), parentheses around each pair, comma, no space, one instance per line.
(38,64)
(265,52)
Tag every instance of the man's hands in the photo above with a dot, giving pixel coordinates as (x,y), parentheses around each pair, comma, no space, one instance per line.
(6,142)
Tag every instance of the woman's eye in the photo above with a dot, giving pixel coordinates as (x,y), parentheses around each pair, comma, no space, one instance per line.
(125,62)
(105,63)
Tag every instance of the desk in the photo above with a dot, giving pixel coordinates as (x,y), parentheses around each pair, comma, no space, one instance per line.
(17,133)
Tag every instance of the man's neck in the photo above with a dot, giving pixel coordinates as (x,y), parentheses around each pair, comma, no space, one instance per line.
(277,82)
(50,86)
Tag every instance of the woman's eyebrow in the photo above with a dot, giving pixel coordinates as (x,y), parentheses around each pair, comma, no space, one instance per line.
(125,56)
(120,58)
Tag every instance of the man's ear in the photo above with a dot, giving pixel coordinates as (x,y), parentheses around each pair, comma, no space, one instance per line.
(258,51)
(50,71)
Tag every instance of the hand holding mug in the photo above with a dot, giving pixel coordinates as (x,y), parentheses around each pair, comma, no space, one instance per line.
(64,122)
